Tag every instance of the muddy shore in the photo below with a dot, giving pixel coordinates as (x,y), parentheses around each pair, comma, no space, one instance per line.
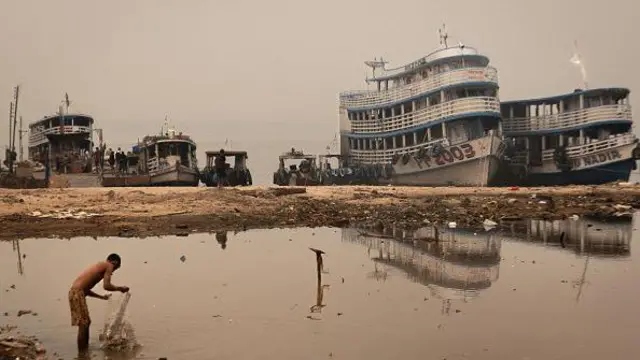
(140,212)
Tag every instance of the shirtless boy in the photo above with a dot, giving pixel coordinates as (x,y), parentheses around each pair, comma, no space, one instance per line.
(81,288)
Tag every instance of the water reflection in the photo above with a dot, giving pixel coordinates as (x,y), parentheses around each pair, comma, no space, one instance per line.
(584,237)
(16,248)
(221,238)
(455,266)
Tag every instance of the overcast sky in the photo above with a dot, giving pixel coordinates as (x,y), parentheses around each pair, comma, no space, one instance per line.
(266,74)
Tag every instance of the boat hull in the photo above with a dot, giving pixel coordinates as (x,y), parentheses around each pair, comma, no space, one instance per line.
(473,163)
(175,177)
(609,165)
(597,175)
(168,177)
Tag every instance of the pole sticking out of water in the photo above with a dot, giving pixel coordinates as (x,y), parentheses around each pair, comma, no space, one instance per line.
(320,288)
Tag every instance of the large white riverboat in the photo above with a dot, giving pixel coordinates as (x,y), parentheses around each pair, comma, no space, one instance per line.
(583,137)
(435,121)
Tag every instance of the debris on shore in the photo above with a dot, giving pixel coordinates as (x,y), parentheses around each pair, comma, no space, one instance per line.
(14,346)
(157,211)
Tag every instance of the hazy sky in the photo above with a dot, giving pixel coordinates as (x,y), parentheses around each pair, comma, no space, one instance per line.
(271,71)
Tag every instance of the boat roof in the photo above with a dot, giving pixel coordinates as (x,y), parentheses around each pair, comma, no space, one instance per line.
(616,91)
(227,153)
(297,155)
(48,117)
(332,156)
(435,57)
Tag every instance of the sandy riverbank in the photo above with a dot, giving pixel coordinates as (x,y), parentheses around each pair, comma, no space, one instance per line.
(163,211)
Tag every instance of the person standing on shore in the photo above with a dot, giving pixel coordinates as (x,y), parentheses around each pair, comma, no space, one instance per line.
(112,160)
(220,166)
(81,288)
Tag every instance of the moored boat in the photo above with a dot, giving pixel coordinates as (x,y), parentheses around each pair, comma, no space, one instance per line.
(236,175)
(580,138)
(65,138)
(167,159)
(303,174)
(435,121)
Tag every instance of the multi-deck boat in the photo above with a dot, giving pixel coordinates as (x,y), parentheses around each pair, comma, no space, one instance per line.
(66,138)
(458,266)
(584,137)
(167,159)
(435,121)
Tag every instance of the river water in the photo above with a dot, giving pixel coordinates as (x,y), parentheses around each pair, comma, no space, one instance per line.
(524,293)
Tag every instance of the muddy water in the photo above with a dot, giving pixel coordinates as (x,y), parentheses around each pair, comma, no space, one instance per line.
(526,293)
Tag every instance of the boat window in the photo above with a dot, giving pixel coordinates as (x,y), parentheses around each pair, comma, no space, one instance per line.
(436,132)
(55,122)
(81,121)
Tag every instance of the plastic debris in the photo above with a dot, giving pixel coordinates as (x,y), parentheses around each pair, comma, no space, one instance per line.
(64,214)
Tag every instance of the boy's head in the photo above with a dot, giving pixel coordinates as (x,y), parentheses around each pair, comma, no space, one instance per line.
(115,260)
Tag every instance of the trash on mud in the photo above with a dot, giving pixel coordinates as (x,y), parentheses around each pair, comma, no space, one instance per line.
(489,224)
(64,214)
(19,346)
(118,334)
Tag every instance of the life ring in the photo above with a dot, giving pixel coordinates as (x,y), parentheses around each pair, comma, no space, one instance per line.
(436,150)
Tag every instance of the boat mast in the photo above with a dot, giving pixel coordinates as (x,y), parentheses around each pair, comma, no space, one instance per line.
(13,124)
(20,132)
(443,35)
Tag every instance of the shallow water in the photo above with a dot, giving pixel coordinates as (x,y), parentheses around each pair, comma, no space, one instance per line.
(521,294)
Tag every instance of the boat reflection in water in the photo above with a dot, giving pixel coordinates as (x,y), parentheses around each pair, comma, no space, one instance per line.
(456,267)
(582,236)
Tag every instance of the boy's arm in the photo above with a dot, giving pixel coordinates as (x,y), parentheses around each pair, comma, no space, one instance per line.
(106,280)
(92,294)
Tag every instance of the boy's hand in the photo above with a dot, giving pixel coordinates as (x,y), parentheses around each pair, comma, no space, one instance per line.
(106,296)
(124,289)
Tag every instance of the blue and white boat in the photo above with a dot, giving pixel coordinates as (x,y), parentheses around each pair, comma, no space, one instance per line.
(435,121)
(584,137)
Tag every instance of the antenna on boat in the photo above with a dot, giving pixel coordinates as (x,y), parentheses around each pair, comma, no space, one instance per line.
(442,32)
(165,127)
(577,60)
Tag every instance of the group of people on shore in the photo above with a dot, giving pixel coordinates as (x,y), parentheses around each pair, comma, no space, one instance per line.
(117,160)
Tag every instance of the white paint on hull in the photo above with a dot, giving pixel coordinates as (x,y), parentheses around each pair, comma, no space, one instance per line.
(185,175)
(588,161)
(475,163)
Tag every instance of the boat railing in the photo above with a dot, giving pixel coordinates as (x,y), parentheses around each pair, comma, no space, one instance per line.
(567,119)
(57,130)
(447,109)
(580,150)
(383,156)
(593,147)
(449,52)
(368,98)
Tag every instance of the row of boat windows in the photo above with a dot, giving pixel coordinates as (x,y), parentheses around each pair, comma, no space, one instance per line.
(183,150)
(68,121)
(568,105)
(569,138)
(421,103)
(456,132)
(428,72)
